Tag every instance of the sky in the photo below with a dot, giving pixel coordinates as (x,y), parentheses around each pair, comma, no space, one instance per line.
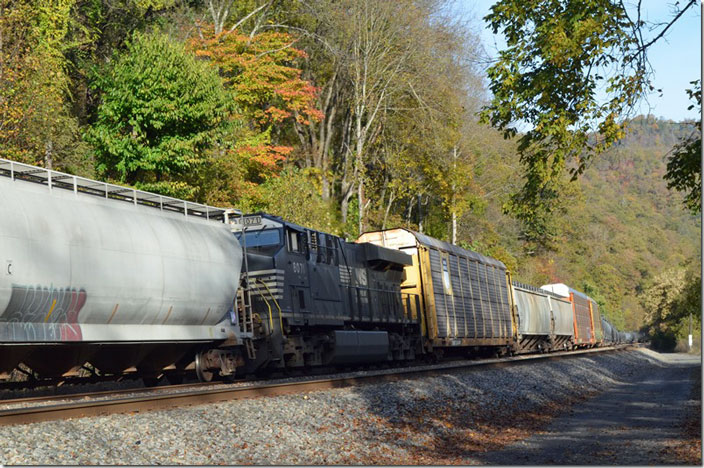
(675,59)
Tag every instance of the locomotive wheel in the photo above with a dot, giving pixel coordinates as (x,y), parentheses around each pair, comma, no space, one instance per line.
(202,373)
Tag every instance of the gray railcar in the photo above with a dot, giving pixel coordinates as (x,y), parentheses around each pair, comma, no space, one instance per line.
(596,321)
(608,331)
(533,317)
(544,319)
(89,267)
(563,321)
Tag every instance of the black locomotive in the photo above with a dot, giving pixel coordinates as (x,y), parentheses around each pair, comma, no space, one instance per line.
(315,299)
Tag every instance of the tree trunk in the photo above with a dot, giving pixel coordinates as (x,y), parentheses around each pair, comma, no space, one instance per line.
(388,209)
(410,212)
(454,196)
(347,165)
(420,215)
(49,155)
(325,186)
(345,205)
(360,199)
(360,133)
(325,151)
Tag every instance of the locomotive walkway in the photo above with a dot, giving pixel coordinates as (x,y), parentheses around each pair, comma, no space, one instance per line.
(635,423)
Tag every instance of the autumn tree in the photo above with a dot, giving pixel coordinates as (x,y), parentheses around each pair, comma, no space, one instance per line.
(266,87)
(15,67)
(35,123)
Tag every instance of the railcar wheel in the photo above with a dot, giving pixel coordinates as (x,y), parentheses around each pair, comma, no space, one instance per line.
(202,373)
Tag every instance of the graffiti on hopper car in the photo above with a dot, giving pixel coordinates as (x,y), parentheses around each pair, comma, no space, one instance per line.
(37,313)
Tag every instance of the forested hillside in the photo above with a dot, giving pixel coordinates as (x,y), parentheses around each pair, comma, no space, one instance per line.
(625,227)
(346,116)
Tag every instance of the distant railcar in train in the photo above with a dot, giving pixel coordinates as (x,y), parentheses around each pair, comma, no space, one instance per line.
(545,321)
(587,320)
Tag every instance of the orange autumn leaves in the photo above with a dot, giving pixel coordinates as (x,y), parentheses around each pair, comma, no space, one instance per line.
(267,89)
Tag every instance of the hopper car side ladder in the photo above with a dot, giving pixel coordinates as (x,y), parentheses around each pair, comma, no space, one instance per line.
(244,302)
(245,316)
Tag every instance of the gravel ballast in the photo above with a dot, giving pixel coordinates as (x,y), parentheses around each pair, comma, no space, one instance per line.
(453,418)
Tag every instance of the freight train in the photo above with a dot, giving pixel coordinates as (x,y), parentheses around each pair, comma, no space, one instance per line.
(110,280)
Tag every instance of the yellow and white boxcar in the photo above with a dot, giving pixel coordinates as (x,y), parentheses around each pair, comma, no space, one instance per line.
(466,297)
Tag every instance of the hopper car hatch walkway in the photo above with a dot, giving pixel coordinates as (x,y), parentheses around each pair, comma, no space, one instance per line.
(638,422)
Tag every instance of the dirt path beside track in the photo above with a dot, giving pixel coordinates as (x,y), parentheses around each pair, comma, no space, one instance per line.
(654,418)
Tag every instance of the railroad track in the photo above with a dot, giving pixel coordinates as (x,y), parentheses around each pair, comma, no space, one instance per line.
(41,409)
(101,393)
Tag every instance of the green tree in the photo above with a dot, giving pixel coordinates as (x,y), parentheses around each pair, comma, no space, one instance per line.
(386,71)
(684,167)
(690,299)
(295,197)
(161,111)
(658,300)
(559,55)
(669,300)
(35,121)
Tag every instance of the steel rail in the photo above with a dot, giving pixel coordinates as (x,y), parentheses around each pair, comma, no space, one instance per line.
(99,393)
(32,414)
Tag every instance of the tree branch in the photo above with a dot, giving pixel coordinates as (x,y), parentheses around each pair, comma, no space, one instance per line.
(669,25)
(253,12)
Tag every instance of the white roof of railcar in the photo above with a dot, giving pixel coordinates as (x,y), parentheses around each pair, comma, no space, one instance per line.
(563,290)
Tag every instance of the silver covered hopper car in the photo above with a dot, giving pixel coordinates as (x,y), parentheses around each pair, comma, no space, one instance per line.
(93,272)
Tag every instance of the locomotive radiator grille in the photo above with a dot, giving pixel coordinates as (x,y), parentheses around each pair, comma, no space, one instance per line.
(267,283)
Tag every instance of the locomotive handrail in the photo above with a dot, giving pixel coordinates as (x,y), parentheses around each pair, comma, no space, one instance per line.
(356,299)
(77,184)
(276,303)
